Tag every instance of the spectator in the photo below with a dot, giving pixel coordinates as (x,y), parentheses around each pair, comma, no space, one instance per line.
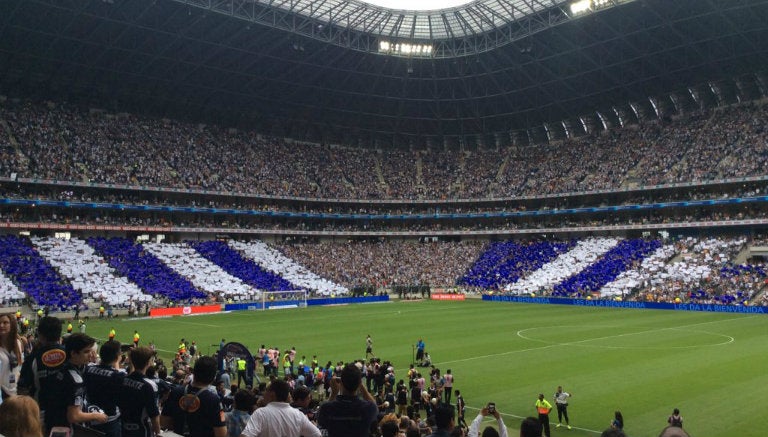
(244,403)
(675,419)
(618,421)
(104,388)
(530,427)
(489,431)
(444,424)
(277,418)
(195,409)
(345,414)
(138,403)
(68,409)
(20,417)
(42,378)
(11,356)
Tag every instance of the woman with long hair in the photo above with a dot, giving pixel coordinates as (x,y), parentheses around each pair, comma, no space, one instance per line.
(11,354)
(20,417)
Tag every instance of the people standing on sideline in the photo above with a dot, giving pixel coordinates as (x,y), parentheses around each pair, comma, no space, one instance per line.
(420,346)
(136,338)
(369,347)
(675,419)
(474,428)
(561,402)
(618,421)
(241,371)
(543,407)
(447,386)
(112,333)
(461,408)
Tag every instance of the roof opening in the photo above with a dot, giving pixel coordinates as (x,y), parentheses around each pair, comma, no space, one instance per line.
(420,5)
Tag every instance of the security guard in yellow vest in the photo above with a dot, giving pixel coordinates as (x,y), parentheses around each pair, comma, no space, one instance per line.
(241,363)
(543,407)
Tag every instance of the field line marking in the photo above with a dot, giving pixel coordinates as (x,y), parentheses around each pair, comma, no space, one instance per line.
(515,416)
(198,324)
(480,357)
(581,341)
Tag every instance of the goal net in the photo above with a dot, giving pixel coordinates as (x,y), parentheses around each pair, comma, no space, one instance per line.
(283,299)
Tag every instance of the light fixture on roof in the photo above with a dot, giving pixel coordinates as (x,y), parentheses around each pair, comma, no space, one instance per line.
(581,7)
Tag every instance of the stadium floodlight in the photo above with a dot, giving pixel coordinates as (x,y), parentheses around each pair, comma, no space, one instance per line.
(405,48)
(581,7)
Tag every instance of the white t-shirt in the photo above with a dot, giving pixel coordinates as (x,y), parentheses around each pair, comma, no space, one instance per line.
(279,419)
(9,376)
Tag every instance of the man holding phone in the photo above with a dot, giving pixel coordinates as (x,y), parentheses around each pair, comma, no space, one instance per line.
(489,431)
(345,414)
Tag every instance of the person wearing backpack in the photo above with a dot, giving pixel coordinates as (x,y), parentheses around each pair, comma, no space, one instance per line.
(675,419)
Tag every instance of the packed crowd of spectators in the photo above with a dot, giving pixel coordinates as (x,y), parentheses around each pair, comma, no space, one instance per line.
(673,215)
(387,263)
(61,142)
(690,270)
(120,273)
(62,273)
(77,195)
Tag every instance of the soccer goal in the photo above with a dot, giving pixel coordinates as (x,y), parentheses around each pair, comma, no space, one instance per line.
(283,299)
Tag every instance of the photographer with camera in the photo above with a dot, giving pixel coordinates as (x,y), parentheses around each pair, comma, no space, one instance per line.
(489,431)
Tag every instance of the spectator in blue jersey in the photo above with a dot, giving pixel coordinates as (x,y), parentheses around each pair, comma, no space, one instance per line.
(42,370)
(103,387)
(138,403)
(79,348)
(195,409)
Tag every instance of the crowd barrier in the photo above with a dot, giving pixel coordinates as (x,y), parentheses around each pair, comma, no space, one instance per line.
(245,306)
(184,311)
(448,296)
(717,308)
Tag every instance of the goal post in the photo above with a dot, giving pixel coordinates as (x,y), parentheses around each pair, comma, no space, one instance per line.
(283,299)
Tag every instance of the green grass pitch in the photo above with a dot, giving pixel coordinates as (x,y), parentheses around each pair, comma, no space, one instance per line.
(712,366)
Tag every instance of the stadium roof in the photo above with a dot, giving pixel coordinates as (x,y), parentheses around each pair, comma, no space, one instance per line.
(473,18)
(308,71)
